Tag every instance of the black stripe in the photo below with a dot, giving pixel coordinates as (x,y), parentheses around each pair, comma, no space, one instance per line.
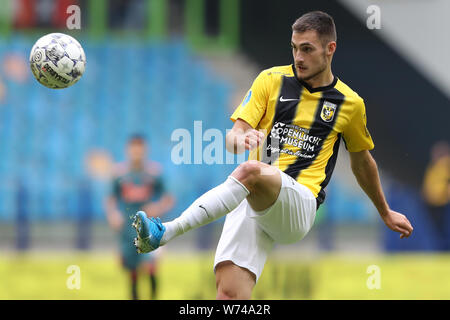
(329,170)
(285,113)
(321,129)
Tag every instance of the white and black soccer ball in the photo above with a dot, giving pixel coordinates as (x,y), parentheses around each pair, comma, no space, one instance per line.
(57,60)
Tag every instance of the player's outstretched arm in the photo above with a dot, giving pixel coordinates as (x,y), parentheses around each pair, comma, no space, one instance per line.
(243,137)
(365,170)
(161,206)
(113,215)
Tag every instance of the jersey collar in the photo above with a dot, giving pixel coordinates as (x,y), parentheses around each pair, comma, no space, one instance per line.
(317,89)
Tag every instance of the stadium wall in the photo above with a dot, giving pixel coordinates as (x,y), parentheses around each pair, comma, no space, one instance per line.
(403,120)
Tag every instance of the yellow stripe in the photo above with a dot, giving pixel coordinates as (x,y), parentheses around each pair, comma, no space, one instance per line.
(267,121)
(315,175)
(304,118)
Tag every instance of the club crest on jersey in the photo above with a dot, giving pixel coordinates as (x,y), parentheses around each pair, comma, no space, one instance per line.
(328,111)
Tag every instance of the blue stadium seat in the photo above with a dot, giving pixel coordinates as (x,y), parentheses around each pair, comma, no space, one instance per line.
(128,87)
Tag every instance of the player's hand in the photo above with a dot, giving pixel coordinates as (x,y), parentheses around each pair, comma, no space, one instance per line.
(158,208)
(399,223)
(116,222)
(151,210)
(243,137)
(253,139)
(249,139)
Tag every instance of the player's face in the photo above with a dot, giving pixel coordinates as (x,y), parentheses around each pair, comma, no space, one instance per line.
(310,55)
(137,151)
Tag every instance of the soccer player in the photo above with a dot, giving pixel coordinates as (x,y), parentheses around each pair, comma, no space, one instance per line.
(292,120)
(137,186)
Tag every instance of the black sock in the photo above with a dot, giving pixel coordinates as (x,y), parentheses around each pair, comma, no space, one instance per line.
(153,286)
(133,278)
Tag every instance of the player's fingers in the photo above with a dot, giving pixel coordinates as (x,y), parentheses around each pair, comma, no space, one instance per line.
(409,223)
(404,232)
(251,140)
(249,146)
(405,235)
(260,134)
(406,225)
(410,228)
(255,134)
(401,230)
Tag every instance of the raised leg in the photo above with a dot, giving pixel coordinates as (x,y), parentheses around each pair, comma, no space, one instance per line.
(233,282)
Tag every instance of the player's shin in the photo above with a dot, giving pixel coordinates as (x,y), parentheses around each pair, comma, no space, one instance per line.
(212,205)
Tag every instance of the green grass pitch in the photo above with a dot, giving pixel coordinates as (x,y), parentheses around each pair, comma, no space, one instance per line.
(43,276)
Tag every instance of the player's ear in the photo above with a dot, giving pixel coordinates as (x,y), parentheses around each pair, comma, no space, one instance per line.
(331,47)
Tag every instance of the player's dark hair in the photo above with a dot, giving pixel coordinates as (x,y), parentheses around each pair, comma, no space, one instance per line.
(318,21)
(137,138)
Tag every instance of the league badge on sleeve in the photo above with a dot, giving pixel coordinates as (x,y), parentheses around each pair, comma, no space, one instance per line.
(247,98)
(328,111)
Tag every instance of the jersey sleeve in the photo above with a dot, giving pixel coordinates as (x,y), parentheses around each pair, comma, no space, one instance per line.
(254,105)
(356,135)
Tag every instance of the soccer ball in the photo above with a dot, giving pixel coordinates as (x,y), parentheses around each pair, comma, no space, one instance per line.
(57,60)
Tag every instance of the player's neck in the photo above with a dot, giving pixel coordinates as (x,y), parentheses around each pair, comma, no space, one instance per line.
(136,166)
(323,79)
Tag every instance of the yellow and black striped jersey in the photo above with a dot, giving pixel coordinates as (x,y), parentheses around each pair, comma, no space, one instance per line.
(303,125)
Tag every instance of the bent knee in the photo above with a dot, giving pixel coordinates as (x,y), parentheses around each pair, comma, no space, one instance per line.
(248,173)
(233,282)
(226,293)
(233,291)
(250,167)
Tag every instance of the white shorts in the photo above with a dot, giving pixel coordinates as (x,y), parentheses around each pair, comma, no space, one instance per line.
(248,236)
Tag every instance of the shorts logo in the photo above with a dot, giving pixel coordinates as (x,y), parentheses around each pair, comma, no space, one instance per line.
(328,111)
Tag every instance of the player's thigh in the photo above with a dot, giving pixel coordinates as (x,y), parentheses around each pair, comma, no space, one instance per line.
(129,258)
(262,180)
(243,242)
(148,266)
(233,282)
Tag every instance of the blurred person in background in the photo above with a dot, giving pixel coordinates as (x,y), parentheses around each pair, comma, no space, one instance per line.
(436,191)
(137,185)
(15,67)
